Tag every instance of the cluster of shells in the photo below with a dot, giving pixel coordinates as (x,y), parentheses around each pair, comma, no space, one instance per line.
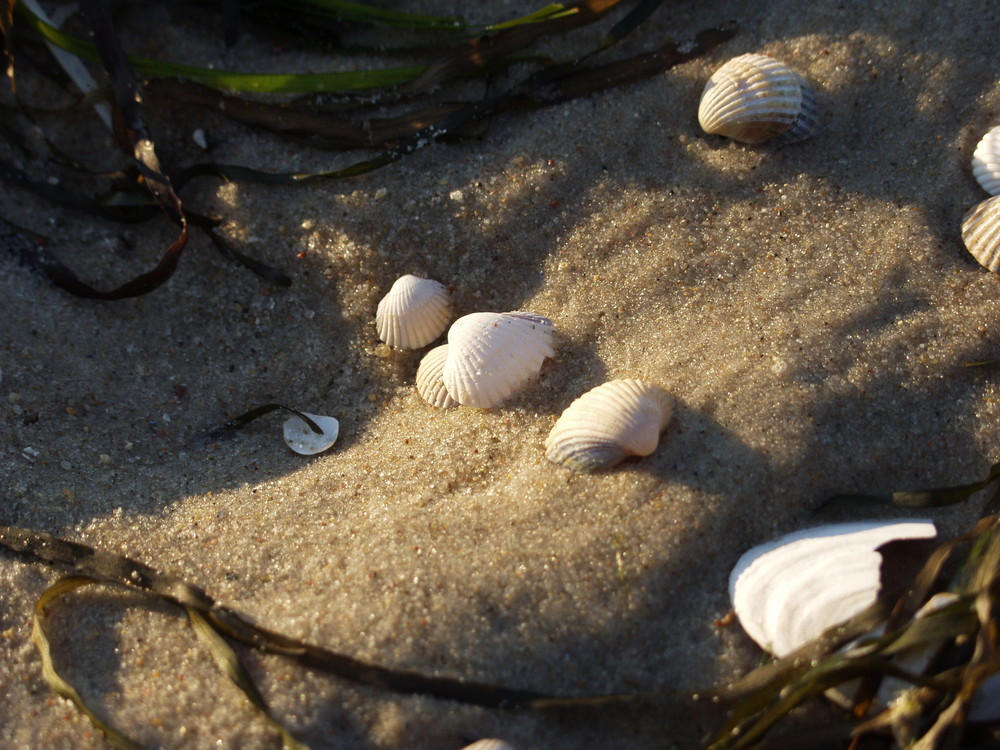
(981,223)
(491,356)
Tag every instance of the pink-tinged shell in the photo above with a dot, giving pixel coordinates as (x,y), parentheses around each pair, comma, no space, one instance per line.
(430,380)
(755,98)
(981,232)
(615,420)
(791,590)
(986,162)
(414,312)
(491,356)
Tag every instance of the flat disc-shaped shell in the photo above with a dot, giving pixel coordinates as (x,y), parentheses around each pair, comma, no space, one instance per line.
(414,312)
(609,423)
(493,355)
(986,162)
(755,98)
(789,591)
(430,378)
(981,232)
(300,437)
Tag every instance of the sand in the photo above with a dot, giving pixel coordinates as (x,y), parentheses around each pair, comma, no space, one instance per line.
(808,307)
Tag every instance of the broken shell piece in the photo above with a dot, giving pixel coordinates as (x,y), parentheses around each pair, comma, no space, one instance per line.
(981,232)
(790,591)
(609,423)
(300,437)
(430,383)
(755,98)
(414,312)
(489,744)
(986,162)
(493,355)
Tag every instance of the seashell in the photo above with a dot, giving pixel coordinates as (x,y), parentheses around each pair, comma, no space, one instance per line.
(414,312)
(986,162)
(609,423)
(789,591)
(755,98)
(300,437)
(981,232)
(430,380)
(489,744)
(493,355)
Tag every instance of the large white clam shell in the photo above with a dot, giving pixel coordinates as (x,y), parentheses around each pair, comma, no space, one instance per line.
(755,98)
(493,355)
(615,420)
(986,162)
(787,592)
(430,378)
(300,437)
(981,232)
(414,312)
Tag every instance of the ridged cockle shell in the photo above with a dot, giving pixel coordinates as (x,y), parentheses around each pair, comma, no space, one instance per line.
(430,378)
(609,423)
(789,591)
(493,355)
(981,232)
(986,162)
(755,98)
(414,312)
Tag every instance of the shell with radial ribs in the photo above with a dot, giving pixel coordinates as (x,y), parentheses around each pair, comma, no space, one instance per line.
(491,356)
(986,162)
(755,98)
(414,312)
(489,744)
(430,380)
(615,420)
(981,232)
(787,592)
(299,436)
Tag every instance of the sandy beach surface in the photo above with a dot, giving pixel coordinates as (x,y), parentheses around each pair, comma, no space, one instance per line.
(809,309)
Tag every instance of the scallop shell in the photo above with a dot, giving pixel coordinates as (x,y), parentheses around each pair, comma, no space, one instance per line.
(414,312)
(493,355)
(789,591)
(986,162)
(605,425)
(430,381)
(755,98)
(300,437)
(981,232)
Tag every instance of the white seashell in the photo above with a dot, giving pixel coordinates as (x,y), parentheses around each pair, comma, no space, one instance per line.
(789,591)
(300,437)
(489,744)
(755,98)
(605,425)
(430,380)
(493,355)
(414,312)
(986,162)
(981,232)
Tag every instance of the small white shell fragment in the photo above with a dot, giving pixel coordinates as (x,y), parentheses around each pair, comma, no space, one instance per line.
(491,356)
(301,439)
(414,312)
(981,232)
(787,592)
(489,744)
(755,98)
(986,162)
(615,420)
(430,381)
